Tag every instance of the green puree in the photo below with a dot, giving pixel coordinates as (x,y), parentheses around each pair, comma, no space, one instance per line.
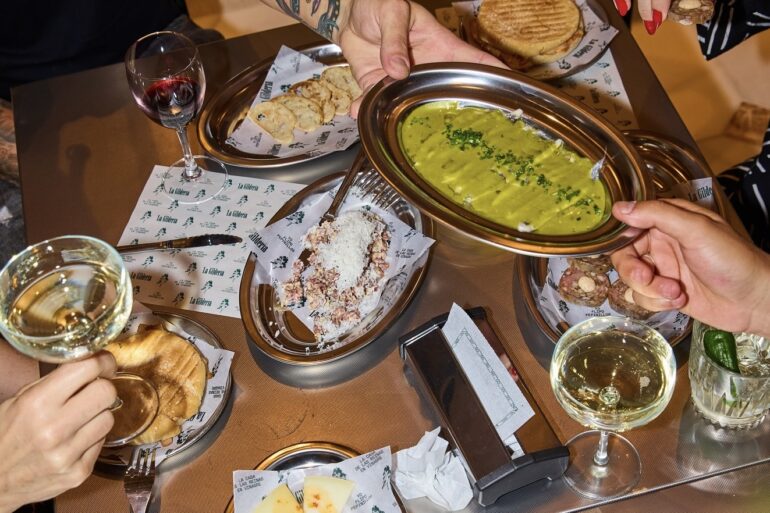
(502,169)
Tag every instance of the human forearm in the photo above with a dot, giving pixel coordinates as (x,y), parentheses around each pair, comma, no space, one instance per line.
(326,17)
(760,315)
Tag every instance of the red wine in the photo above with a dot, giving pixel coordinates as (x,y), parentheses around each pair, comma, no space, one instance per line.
(172,102)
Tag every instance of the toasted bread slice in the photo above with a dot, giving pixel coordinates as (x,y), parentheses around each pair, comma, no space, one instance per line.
(308,113)
(342,77)
(513,61)
(687,12)
(176,369)
(277,120)
(528,27)
(340,98)
(563,49)
(317,91)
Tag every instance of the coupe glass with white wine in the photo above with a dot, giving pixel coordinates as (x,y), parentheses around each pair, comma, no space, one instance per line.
(65,299)
(611,374)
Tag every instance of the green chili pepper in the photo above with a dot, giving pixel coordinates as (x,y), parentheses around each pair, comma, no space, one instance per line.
(720,347)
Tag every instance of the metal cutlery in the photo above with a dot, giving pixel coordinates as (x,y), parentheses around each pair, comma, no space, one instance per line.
(183,243)
(139,479)
(342,192)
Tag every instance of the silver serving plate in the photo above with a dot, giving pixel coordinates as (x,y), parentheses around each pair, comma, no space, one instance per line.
(227,109)
(280,335)
(115,460)
(670,162)
(301,456)
(554,113)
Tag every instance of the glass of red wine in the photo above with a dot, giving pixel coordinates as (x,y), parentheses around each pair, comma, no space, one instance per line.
(166,78)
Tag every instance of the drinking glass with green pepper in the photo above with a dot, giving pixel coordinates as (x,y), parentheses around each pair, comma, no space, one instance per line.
(729,376)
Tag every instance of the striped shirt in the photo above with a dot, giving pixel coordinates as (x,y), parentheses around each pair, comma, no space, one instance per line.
(733,21)
(748,188)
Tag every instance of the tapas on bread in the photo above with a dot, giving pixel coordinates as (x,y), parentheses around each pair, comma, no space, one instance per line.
(307,105)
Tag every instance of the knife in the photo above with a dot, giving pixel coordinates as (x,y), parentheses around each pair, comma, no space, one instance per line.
(187,242)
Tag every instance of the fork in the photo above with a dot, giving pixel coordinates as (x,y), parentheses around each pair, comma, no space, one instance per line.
(139,478)
(331,212)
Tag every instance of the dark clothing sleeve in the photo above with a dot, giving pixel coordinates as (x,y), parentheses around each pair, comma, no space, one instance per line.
(748,188)
(734,21)
(42,39)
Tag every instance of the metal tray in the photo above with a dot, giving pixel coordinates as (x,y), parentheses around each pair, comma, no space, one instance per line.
(536,71)
(224,112)
(544,107)
(280,335)
(300,456)
(115,460)
(669,162)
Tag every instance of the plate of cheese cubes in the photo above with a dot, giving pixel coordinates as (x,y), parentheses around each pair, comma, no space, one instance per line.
(316,477)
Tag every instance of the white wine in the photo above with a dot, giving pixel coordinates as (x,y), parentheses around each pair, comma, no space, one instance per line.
(613,380)
(70,312)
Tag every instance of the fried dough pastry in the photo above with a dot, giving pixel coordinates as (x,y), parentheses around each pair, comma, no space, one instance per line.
(177,370)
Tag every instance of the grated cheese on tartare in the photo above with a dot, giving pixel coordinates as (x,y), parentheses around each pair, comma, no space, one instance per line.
(345,272)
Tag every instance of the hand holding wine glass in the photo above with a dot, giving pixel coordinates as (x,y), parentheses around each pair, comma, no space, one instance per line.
(65,299)
(51,431)
(167,81)
(611,374)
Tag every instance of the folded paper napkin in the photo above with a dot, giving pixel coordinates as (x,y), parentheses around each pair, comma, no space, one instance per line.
(429,470)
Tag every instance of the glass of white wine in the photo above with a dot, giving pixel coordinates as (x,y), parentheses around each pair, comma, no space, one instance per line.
(65,299)
(611,374)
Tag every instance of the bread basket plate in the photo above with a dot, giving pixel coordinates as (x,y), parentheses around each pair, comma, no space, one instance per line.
(279,334)
(225,111)
(542,107)
(564,67)
(301,456)
(115,460)
(669,162)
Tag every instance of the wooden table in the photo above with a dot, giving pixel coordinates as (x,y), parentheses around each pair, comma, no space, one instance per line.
(85,151)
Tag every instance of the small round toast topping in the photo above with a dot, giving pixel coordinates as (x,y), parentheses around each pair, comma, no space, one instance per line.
(586,284)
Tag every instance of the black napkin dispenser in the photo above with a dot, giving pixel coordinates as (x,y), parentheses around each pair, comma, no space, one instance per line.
(493,470)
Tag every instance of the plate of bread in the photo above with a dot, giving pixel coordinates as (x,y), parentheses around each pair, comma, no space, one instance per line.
(251,125)
(545,40)
(172,356)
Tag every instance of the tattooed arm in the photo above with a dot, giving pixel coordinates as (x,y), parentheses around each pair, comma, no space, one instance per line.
(382,37)
(323,16)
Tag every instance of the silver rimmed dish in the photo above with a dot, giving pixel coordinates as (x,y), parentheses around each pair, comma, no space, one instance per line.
(115,460)
(224,112)
(301,456)
(544,108)
(279,334)
(670,163)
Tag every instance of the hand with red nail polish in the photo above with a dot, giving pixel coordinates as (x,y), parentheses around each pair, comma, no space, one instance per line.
(652,12)
(689,259)
(622,6)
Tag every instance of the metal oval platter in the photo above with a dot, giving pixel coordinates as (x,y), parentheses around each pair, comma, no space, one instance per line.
(552,113)
(224,112)
(670,163)
(281,336)
(301,456)
(115,460)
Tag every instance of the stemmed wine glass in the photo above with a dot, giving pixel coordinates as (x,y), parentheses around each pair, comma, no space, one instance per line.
(611,374)
(166,79)
(65,299)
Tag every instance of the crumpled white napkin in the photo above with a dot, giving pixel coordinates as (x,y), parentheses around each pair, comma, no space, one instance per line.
(428,470)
